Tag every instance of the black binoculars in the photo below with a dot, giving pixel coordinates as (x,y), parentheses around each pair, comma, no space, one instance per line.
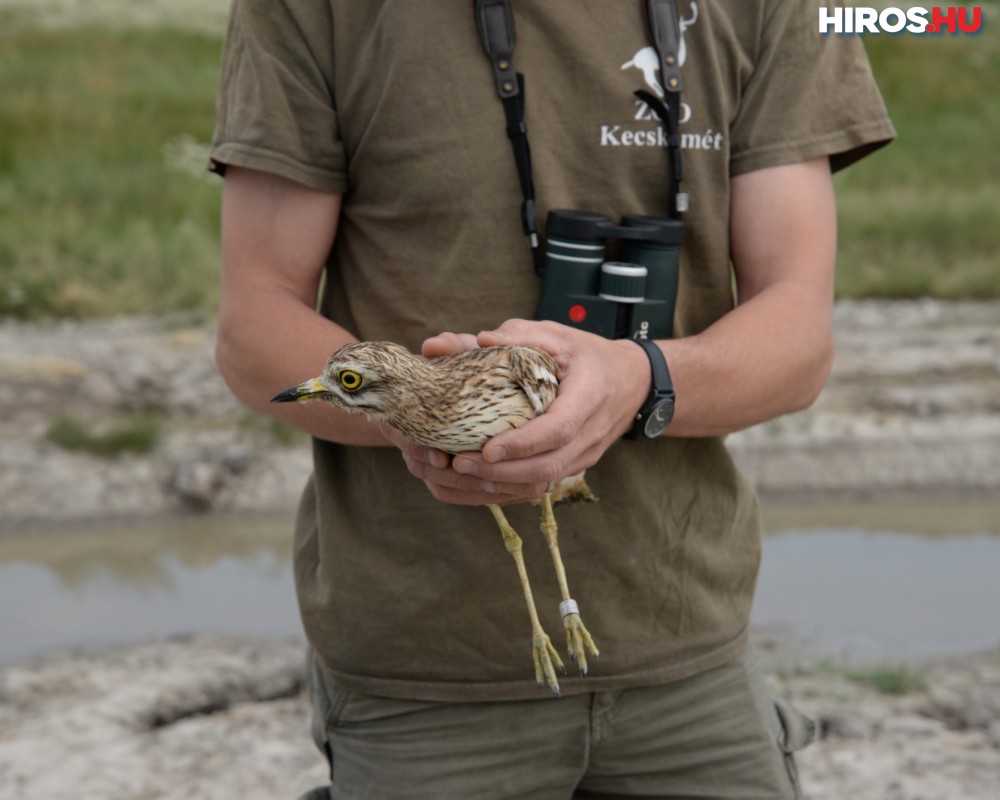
(631,297)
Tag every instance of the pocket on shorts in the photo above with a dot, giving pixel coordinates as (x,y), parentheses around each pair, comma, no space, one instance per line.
(797,732)
(328,699)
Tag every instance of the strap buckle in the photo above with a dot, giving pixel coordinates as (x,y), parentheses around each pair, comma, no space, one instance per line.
(665,31)
(496,30)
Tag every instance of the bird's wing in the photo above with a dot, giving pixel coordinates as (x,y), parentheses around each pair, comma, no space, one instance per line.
(535,372)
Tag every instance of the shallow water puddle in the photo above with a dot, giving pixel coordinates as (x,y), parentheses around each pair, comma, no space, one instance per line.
(879,590)
(127,583)
(889,581)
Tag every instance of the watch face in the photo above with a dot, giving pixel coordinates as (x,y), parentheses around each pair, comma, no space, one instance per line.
(659,418)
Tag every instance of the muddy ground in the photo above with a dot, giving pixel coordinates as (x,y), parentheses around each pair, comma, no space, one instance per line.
(213,718)
(911,409)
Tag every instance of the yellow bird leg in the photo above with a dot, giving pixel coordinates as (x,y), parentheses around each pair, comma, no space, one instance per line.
(544,654)
(578,639)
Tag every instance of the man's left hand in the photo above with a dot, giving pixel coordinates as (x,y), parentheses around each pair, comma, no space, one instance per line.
(602,385)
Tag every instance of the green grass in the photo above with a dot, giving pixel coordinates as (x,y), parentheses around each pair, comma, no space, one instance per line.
(102,209)
(104,131)
(895,681)
(138,434)
(273,430)
(920,217)
(887,680)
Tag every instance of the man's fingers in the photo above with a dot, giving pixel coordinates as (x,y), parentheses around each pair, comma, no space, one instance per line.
(434,468)
(547,336)
(553,430)
(481,490)
(458,497)
(444,344)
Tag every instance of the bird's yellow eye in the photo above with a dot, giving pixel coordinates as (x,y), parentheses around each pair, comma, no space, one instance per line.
(350,380)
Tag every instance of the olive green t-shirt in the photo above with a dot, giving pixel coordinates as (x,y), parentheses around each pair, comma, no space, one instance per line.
(394,105)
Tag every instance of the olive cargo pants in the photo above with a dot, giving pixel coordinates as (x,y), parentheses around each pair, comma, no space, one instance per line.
(717,735)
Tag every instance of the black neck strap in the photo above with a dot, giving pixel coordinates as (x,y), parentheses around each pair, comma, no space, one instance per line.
(664,29)
(496,29)
(495,20)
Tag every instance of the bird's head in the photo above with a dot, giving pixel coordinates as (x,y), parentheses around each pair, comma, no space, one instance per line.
(362,376)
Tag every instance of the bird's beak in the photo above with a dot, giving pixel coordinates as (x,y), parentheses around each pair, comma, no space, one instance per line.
(312,389)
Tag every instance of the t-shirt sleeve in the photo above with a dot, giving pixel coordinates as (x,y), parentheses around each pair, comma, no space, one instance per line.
(809,95)
(276,110)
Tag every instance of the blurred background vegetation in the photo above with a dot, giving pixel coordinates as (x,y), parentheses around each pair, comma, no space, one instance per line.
(107,109)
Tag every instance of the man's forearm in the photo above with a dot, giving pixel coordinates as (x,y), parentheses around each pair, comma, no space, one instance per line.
(276,235)
(266,349)
(768,357)
(772,354)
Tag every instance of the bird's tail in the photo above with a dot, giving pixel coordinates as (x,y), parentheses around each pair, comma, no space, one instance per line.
(573,489)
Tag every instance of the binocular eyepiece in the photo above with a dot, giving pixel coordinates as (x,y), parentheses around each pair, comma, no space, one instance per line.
(631,297)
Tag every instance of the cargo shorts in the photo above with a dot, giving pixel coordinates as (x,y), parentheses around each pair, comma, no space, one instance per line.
(719,734)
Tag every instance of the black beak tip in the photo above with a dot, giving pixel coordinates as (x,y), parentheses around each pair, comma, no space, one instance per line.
(287,396)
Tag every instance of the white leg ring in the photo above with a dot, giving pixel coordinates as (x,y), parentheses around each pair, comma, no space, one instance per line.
(567,607)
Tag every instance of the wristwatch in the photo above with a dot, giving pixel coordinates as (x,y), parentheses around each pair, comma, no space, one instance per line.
(656,413)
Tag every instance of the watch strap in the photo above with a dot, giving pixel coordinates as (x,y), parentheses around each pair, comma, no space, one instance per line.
(662,387)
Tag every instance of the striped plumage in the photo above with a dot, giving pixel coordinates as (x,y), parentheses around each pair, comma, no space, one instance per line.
(454,403)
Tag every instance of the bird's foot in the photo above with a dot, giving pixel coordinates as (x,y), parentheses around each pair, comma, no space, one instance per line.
(578,638)
(546,661)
